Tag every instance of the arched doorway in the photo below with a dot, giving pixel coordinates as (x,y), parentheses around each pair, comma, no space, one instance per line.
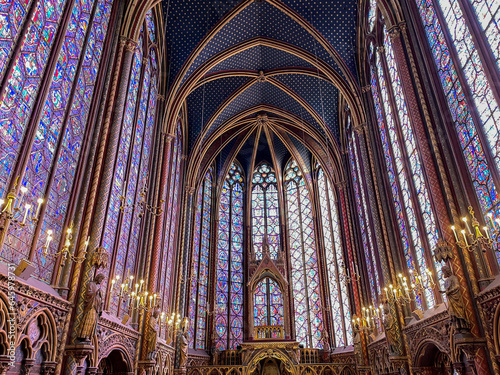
(114,364)
(433,361)
(270,366)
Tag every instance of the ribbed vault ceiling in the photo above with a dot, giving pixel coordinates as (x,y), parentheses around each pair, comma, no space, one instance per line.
(260,80)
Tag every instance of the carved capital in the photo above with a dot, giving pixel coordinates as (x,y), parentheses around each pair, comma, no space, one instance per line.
(381,49)
(360,128)
(160,97)
(190,190)
(341,185)
(48,367)
(5,363)
(130,45)
(394,32)
(28,365)
(122,41)
(366,89)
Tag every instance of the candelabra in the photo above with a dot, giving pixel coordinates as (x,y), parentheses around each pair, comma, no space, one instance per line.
(401,294)
(474,240)
(15,212)
(136,299)
(347,276)
(65,251)
(142,205)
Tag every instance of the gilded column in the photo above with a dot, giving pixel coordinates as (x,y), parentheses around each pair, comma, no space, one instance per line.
(342,189)
(153,257)
(183,269)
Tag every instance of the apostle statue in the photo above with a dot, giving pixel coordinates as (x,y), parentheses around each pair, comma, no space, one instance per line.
(184,343)
(390,328)
(456,306)
(92,309)
(152,334)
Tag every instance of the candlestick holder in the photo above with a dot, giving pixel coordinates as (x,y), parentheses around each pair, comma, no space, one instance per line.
(65,251)
(474,240)
(135,297)
(347,276)
(141,205)
(14,211)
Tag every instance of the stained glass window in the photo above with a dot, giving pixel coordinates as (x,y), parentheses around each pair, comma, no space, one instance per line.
(364,219)
(12,17)
(55,153)
(268,304)
(24,80)
(229,268)
(199,270)
(372,13)
(129,189)
(334,263)
(304,259)
(444,23)
(265,214)
(171,217)
(488,16)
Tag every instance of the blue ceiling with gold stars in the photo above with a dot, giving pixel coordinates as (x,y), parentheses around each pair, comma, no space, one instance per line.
(216,50)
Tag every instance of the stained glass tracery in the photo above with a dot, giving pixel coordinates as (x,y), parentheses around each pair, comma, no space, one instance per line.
(304,259)
(229,268)
(268,304)
(62,120)
(199,271)
(334,263)
(265,214)
(444,21)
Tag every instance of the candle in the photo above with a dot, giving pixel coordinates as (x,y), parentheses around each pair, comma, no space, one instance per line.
(465,237)
(24,189)
(497,221)
(122,288)
(487,233)
(490,216)
(1,202)
(467,225)
(27,207)
(136,287)
(86,245)
(154,299)
(124,188)
(454,232)
(150,301)
(40,202)
(47,244)
(140,286)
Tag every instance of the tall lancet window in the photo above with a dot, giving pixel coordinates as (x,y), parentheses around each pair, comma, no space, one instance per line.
(45,112)
(456,39)
(171,219)
(200,262)
(268,305)
(364,219)
(411,198)
(335,266)
(129,187)
(229,269)
(265,214)
(304,259)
